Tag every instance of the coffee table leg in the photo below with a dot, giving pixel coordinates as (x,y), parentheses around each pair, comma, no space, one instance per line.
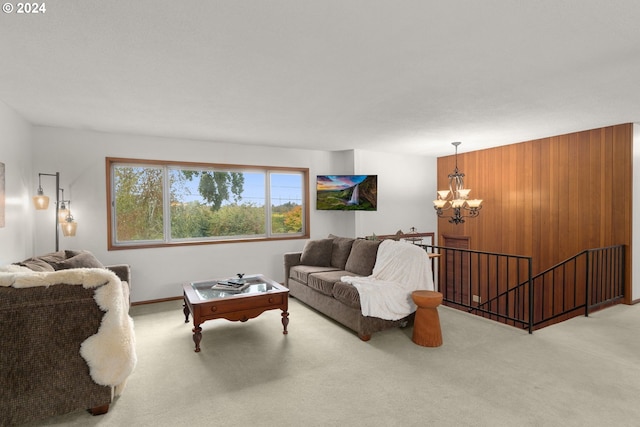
(285,321)
(197,336)
(185,310)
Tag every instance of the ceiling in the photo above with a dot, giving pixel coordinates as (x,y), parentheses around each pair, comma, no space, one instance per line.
(406,76)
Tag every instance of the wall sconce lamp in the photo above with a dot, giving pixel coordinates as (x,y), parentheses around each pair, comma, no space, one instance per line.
(63,208)
(457,197)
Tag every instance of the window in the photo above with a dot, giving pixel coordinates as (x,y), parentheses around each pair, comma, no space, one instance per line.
(161,203)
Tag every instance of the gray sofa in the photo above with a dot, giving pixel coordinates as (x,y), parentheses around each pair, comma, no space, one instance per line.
(313,277)
(41,330)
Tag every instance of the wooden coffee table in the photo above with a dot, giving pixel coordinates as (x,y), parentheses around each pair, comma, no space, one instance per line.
(205,303)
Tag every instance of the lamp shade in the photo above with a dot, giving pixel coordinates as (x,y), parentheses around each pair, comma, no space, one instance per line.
(474,203)
(41,201)
(457,203)
(63,213)
(439,203)
(443,194)
(464,193)
(69,228)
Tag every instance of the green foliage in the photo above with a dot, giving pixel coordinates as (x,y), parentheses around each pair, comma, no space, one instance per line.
(287,220)
(190,220)
(237,220)
(139,203)
(293,220)
(216,187)
(284,208)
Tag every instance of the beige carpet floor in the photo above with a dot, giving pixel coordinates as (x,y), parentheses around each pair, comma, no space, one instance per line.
(583,372)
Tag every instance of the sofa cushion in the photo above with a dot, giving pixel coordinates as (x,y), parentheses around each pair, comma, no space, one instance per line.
(323,282)
(362,258)
(53,257)
(82,260)
(347,294)
(41,262)
(301,273)
(71,253)
(317,252)
(340,251)
(36,264)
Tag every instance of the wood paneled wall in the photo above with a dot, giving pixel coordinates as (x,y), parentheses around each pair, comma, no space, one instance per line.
(549,198)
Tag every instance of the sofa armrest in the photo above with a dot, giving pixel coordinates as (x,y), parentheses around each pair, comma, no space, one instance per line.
(290,259)
(123,271)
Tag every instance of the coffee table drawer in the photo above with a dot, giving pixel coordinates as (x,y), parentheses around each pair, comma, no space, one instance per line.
(228,306)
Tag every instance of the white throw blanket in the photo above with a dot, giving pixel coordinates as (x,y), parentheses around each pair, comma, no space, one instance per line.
(110,353)
(400,269)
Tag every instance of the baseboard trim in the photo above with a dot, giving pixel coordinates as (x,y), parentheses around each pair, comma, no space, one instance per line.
(153,301)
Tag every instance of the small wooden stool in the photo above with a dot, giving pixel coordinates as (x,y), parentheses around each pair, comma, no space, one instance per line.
(426,326)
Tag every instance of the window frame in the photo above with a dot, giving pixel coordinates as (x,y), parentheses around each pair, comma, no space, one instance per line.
(110,162)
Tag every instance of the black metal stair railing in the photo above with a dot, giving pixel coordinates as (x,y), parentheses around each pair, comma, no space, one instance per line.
(588,280)
(501,286)
(486,283)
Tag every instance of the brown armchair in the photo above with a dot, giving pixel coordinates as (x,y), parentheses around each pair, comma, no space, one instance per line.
(42,371)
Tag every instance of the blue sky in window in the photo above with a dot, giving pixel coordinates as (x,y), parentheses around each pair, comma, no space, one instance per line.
(285,188)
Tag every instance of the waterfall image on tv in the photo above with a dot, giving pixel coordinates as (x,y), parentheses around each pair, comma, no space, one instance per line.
(347,192)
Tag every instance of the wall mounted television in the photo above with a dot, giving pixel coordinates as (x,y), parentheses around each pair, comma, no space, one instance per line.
(347,192)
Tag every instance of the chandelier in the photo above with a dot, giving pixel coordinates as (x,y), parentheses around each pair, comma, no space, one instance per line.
(457,197)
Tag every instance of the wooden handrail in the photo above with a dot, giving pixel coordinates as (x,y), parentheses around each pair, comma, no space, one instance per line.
(412,237)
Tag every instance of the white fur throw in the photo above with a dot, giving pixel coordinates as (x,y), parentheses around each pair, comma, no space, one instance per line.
(110,353)
(400,269)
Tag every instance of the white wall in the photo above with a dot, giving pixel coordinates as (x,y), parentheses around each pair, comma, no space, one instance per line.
(160,272)
(16,237)
(341,164)
(406,189)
